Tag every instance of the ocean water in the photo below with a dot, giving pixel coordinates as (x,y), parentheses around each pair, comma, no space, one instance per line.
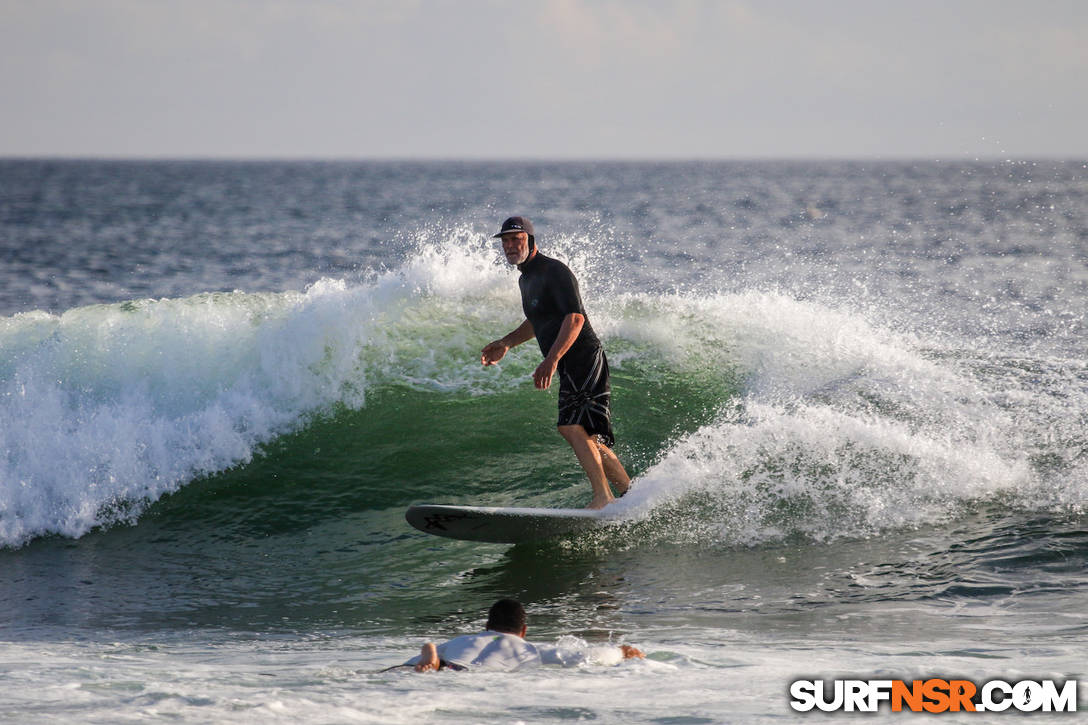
(854,396)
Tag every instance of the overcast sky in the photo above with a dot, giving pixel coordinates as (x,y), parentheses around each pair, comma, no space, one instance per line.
(547,79)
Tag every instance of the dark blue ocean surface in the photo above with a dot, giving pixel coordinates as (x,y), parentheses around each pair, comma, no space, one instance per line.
(854,396)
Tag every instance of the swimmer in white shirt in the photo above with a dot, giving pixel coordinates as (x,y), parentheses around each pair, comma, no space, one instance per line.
(501,646)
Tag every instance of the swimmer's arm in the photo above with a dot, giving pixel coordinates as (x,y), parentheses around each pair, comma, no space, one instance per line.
(495,351)
(568,333)
(556,656)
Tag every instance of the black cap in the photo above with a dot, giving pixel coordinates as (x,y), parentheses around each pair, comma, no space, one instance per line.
(516,224)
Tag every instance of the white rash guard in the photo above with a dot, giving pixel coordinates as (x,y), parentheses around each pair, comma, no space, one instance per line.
(500,651)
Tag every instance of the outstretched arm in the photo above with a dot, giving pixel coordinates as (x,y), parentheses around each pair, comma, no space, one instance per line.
(568,333)
(602,655)
(495,351)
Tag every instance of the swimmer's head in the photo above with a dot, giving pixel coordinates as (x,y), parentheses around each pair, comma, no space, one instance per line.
(507,615)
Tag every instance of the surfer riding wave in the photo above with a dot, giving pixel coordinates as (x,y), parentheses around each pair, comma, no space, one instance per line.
(555,316)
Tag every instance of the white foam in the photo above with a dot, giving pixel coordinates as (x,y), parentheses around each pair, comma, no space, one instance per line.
(705,674)
(848,429)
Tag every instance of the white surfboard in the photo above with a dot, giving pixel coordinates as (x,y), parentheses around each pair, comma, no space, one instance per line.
(501,525)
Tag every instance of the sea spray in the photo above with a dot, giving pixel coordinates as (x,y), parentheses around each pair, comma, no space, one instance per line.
(845,429)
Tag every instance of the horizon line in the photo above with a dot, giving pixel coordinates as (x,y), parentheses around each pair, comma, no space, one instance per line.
(272,158)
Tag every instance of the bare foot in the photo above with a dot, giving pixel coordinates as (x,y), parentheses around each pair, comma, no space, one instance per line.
(599,503)
(621,491)
(428,658)
(629,652)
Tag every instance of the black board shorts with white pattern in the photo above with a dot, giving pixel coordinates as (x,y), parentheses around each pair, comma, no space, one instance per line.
(585,393)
